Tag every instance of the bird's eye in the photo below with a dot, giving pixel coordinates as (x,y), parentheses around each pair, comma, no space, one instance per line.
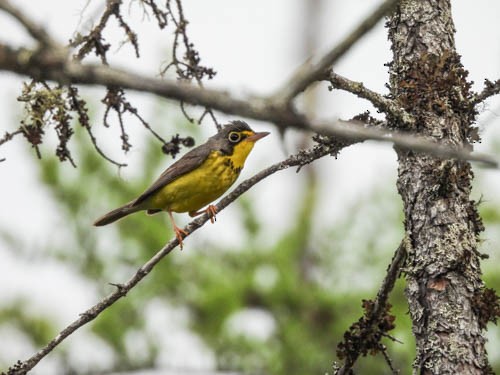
(234,137)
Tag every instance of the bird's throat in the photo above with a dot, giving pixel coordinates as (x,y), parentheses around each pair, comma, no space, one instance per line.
(239,155)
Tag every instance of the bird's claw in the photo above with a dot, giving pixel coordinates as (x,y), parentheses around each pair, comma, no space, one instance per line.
(211,212)
(179,233)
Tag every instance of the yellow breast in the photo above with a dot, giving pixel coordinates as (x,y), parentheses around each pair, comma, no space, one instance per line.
(203,185)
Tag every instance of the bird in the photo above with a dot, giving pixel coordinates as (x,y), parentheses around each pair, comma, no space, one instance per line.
(194,181)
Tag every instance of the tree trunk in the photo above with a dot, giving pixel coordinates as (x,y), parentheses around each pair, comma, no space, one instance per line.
(442,223)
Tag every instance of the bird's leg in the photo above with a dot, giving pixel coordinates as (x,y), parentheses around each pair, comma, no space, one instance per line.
(178,231)
(211,211)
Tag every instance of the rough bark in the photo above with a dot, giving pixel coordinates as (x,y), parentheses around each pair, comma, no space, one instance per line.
(443,270)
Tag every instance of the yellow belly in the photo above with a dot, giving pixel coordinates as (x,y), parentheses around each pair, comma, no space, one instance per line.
(197,188)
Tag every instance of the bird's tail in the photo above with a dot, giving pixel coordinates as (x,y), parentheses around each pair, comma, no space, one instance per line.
(116,214)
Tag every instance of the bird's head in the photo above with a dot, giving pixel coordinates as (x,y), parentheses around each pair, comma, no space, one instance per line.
(237,135)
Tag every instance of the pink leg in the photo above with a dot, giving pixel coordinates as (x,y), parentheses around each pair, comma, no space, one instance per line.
(211,210)
(178,231)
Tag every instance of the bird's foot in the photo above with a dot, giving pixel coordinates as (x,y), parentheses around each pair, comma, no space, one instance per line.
(179,233)
(211,211)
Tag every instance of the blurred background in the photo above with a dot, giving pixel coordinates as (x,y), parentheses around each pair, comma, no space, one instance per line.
(273,285)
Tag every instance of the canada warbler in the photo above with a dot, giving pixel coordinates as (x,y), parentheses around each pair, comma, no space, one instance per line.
(198,178)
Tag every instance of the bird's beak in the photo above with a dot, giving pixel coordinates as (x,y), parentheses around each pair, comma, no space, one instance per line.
(256,136)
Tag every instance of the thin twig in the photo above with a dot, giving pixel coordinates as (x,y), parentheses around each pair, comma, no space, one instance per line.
(8,136)
(492,116)
(310,72)
(392,338)
(490,89)
(388,360)
(357,88)
(94,40)
(93,139)
(302,158)
(80,108)
(133,111)
(160,15)
(392,273)
(189,67)
(380,303)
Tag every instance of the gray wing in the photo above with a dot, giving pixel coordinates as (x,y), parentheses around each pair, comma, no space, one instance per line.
(193,159)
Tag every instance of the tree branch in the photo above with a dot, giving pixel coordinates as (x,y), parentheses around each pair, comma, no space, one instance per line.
(94,40)
(8,136)
(55,67)
(359,341)
(490,89)
(356,131)
(35,30)
(52,63)
(383,104)
(300,159)
(310,72)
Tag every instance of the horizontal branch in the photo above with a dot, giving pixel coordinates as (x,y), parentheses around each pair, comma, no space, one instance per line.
(490,89)
(300,159)
(383,104)
(52,63)
(356,131)
(57,67)
(45,65)
(311,72)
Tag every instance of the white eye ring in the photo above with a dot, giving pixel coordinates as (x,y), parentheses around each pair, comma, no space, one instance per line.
(234,137)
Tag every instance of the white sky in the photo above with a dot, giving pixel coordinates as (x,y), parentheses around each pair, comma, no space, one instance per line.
(253,45)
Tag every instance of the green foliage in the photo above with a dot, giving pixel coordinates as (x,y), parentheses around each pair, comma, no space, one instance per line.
(38,328)
(309,282)
(285,280)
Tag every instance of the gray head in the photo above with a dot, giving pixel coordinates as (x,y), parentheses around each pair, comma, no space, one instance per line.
(233,133)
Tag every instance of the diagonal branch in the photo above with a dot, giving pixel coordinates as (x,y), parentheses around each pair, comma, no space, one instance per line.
(372,319)
(300,159)
(490,89)
(8,136)
(311,72)
(393,271)
(94,40)
(35,30)
(383,104)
